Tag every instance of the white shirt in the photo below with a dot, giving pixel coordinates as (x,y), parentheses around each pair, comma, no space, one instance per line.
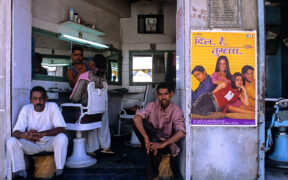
(49,118)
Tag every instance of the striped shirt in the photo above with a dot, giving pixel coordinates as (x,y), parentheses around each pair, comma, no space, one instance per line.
(80,94)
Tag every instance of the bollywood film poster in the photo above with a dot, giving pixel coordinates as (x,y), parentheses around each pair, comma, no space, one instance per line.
(223,78)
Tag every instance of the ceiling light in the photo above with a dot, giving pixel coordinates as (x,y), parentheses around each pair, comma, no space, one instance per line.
(83,41)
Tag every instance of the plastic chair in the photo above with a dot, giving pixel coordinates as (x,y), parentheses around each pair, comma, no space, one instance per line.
(84,118)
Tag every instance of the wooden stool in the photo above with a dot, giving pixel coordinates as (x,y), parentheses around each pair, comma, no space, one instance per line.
(165,170)
(44,165)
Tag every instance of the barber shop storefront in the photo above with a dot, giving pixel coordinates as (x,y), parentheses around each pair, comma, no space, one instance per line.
(225,60)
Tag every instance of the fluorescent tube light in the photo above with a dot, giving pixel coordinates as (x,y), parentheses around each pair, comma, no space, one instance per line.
(83,41)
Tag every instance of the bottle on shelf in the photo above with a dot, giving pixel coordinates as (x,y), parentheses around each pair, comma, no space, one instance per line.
(75,17)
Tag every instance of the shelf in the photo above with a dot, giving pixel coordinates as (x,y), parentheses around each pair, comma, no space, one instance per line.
(82,28)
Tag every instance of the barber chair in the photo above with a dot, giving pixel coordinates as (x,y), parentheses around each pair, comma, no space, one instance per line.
(279,124)
(84,118)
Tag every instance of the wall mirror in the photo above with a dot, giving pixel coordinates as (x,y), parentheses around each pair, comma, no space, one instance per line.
(55,53)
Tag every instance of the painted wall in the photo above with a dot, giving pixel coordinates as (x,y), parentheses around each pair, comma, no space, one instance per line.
(220,152)
(21,55)
(49,14)
(182,53)
(5,79)
(131,40)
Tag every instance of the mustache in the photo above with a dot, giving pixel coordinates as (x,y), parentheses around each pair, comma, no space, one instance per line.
(39,105)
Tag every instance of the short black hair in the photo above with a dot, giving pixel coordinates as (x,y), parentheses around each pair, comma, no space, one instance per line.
(165,85)
(246,68)
(198,68)
(79,48)
(100,61)
(38,57)
(39,89)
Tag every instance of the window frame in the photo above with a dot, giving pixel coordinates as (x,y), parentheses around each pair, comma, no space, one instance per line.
(143,53)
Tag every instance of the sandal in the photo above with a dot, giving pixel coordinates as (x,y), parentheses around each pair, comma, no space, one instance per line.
(107,151)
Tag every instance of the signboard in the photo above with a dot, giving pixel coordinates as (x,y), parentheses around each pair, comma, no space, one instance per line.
(223,78)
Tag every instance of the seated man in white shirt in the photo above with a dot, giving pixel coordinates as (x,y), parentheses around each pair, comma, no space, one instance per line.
(39,128)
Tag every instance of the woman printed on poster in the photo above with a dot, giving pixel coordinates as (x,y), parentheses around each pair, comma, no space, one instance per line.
(238,106)
(222,71)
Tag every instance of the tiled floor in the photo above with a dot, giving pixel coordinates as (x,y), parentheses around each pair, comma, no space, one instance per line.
(127,163)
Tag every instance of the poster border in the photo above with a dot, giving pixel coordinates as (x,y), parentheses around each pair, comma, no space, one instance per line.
(255,74)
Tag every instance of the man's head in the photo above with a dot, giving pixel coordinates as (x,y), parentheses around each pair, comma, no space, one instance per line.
(77,54)
(199,73)
(164,94)
(100,65)
(248,73)
(38,98)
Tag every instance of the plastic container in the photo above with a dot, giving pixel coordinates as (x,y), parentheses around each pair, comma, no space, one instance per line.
(71,14)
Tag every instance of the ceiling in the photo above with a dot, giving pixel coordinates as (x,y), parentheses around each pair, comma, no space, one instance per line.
(120,8)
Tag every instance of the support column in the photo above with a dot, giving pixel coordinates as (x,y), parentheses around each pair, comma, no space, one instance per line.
(5,79)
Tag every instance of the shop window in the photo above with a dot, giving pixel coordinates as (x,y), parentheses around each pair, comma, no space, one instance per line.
(148,67)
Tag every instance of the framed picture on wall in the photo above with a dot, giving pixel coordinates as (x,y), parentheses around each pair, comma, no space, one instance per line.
(150,24)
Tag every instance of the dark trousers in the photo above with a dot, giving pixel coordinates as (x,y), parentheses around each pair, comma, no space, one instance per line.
(153,162)
(205,104)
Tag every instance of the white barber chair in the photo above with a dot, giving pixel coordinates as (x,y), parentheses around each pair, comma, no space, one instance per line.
(85,119)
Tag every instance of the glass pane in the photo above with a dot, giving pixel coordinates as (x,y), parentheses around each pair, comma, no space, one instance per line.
(114,72)
(158,68)
(142,68)
(56,67)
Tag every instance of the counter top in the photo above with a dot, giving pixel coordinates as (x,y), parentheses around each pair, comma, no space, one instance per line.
(121,92)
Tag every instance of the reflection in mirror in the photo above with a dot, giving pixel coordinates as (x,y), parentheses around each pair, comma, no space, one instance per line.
(114,71)
(56,65)
(114,67)
(51,58)
(54,53)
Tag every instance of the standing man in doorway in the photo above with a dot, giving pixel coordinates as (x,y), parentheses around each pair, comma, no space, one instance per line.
(98,138)
(159,126)
(78,67)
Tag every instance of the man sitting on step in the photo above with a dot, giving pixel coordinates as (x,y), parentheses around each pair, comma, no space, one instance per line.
(159,126)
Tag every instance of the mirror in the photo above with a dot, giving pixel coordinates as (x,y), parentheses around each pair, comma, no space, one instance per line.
(114,75)
(51,58)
